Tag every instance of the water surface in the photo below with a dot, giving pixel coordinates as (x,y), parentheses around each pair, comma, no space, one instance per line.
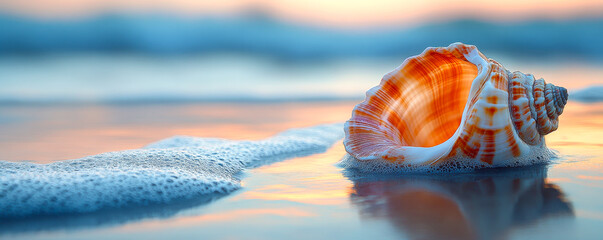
(310,197)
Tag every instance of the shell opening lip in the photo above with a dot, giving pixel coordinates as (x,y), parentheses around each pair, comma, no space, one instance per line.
(413,108)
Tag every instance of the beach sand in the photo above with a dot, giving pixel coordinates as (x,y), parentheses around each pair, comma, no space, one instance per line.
(310,197)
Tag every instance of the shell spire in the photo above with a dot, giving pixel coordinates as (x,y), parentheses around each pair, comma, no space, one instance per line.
(451,109)
(545,102)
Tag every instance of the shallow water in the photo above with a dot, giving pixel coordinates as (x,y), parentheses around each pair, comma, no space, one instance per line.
(310,197)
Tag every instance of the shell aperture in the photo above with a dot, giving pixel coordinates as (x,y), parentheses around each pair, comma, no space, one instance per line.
(453,109)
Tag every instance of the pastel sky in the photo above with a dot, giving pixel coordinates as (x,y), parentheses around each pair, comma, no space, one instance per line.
(347,13)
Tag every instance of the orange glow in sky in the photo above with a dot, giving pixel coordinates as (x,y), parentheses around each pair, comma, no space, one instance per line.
(350,13)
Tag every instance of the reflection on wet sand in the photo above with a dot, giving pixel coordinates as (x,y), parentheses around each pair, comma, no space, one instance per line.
(484,205)
(105,218)
(48,133)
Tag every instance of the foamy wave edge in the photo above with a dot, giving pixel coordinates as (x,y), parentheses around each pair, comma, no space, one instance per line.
(176,168)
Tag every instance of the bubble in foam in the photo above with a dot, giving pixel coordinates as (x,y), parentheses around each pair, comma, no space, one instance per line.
(537,155)
(168,170)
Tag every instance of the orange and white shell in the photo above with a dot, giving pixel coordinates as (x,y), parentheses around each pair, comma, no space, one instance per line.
(452,109)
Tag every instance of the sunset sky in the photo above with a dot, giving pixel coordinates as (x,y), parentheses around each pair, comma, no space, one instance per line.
(348,13)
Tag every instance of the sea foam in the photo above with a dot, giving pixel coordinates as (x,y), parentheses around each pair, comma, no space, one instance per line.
(168,170)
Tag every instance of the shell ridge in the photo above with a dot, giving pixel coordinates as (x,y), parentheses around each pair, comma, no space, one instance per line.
(549,97)
(522,108)
(531,97)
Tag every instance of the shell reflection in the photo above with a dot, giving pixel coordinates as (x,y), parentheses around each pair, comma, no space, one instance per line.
(485,205)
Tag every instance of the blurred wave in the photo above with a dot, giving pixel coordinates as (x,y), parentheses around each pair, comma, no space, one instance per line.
(137,78)
(589,94)
(164,58)
(164,34)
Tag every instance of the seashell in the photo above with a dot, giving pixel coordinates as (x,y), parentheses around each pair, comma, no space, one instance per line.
(453,109)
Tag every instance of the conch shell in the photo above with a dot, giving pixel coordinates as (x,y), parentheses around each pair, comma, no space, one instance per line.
(453,109)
